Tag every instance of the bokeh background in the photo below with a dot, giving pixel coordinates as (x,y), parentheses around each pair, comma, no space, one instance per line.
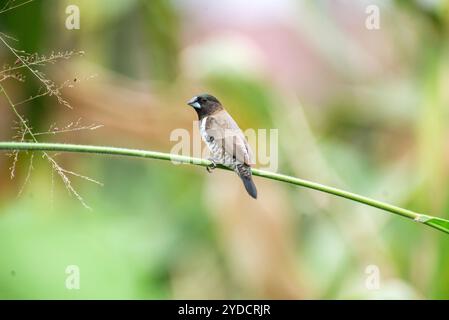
(364,110)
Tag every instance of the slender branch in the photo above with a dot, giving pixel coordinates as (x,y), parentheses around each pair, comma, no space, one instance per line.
(437,223)
(6,8)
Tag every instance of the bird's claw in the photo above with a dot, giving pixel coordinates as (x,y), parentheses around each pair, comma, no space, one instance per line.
(211,166)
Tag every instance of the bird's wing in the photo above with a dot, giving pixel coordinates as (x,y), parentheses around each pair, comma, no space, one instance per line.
(226,133)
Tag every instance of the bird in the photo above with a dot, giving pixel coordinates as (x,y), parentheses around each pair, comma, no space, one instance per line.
(225,140)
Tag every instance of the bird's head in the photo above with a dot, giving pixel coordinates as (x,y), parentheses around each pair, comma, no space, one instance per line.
(205,104)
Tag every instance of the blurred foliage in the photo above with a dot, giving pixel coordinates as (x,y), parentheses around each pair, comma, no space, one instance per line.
(363,110)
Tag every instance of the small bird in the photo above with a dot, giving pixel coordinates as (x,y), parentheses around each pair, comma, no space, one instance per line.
(224,139)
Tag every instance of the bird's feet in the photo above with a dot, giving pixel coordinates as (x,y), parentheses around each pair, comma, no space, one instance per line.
(212,166)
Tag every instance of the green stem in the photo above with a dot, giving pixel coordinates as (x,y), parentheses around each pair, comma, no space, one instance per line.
(438,223)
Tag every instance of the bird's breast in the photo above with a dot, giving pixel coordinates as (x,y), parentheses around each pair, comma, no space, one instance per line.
(216,147)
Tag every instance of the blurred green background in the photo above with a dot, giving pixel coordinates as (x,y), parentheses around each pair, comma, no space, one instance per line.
(364,110)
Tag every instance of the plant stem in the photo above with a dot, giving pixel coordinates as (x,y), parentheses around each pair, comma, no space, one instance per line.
(434,222)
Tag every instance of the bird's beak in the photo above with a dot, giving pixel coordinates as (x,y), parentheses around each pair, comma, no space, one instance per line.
(194,103)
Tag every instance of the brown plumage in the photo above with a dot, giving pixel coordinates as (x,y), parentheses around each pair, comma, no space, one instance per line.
(224,139)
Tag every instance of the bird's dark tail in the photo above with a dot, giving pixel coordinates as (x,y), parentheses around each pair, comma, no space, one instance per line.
(244,172)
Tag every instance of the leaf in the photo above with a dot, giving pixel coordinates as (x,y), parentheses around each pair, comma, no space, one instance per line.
(438,223)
